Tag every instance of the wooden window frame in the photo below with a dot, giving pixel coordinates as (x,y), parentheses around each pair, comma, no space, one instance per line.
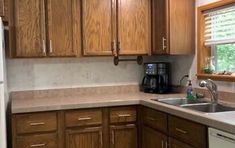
(204,51)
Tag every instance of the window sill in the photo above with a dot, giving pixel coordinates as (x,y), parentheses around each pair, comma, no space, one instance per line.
(229,78)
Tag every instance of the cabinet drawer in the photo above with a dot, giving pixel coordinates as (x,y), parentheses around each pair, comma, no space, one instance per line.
(155,119)
(83,117)
(188,132)
(36,122)
(123,114)
(37,141)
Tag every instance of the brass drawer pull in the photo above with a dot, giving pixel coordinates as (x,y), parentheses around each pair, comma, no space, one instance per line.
(84,118)
(37,123)
(151,119)
(130,125)
(124,115)
(181,131)
(113,138)
(101,138)
(38,145)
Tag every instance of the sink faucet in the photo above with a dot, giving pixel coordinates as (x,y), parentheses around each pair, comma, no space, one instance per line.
(213,89)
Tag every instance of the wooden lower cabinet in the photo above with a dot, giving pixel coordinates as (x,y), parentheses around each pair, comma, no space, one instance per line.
(123,136)
(38,140)
(115,127)
(173,143)
(84,138)
(153,139)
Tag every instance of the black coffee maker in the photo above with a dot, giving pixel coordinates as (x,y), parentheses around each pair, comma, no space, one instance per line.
(157,77)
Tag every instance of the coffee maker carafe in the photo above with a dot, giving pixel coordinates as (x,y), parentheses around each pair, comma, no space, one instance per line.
(157,77)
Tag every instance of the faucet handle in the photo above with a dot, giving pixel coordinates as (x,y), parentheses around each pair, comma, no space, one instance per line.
(213,85)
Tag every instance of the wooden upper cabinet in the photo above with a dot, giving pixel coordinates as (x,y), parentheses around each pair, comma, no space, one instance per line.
(182,29)
(97,27)
(1,7)
(62,27)
(45,28)
(173,27)
(4,10)
(111,25)
(29,28)
(134,27)
(159,29)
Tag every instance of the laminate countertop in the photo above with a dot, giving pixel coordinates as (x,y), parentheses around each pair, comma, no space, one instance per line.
(39,101)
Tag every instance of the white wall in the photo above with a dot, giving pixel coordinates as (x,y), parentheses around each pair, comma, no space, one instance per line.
(28,74)
(204,2)
(223,86)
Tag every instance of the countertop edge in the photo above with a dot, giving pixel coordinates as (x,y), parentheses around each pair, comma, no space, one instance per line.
(195,116)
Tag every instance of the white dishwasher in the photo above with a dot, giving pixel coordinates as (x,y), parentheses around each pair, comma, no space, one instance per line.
(220,139)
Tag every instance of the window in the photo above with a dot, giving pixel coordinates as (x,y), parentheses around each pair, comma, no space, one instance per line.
(216,40)
(224,57)
(220,35)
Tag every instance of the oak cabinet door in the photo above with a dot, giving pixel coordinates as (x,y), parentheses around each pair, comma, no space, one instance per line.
(84,138)
(29,26)
(177,144)
(63,27)
(182,29)
(134,25)
(123,136)
(153,139)
(1,7)
(173,27)
(159,29)
(97,26)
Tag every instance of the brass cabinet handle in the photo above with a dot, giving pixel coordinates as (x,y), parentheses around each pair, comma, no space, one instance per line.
(44,46)
(38,145)
(113,138)
(162,144)
(51,46)
(84,118)
(163,43)
(37,123)
(124,115)
(181,131)
(113,46)
(101,138)
(151,119)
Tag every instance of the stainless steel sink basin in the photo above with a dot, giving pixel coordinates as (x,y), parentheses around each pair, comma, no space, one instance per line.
(209,107)
(197,105)
(180,101)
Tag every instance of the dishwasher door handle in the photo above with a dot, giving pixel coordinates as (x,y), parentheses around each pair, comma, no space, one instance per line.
(230,139)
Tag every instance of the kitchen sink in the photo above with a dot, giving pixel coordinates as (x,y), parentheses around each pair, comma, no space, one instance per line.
(181,101)
(208,107)
(200,105)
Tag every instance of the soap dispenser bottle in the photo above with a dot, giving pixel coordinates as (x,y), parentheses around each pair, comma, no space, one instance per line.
(189,91)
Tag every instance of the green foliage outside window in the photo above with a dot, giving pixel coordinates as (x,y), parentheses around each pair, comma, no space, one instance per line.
(225,57)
